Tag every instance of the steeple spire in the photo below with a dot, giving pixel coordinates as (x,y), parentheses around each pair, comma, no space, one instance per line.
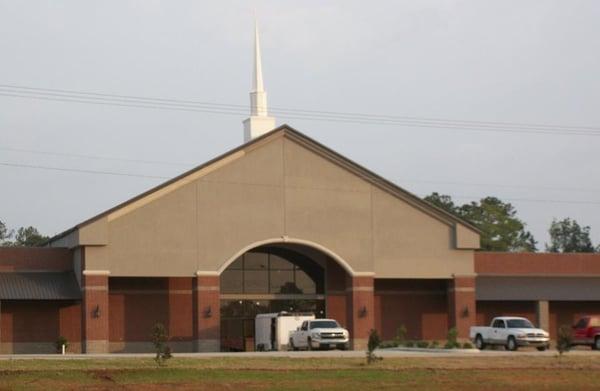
(257,84)
(259,122)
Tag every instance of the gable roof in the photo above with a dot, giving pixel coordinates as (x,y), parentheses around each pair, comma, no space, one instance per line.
(313,145)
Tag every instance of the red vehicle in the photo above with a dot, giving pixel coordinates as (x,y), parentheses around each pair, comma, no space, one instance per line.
(587,332)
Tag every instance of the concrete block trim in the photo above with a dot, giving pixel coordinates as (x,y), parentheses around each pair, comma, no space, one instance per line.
(360,289)
(465,289)
(96,272)
(201,273)
(96,346)
(207,288)
(207,345)
(95,288)
(359,343)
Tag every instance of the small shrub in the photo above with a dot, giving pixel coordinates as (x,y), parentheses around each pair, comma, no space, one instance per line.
(434,345)
(409,344)
(400,337)
(564,339)
(467,345)
(374,342)
(451,339)
(422,344)
(159,340)
(58,344)
(388,344)
(385,345)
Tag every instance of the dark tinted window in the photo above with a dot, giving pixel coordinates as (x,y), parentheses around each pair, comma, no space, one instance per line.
(280,263)
(282,281)
(305,283)
(519,324)
(232,281)
(256,261)
(256,281)
(498,323)
(582,324)
(324,324)
(275,271)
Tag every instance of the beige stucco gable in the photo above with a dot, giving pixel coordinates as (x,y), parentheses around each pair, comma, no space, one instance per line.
(280,188)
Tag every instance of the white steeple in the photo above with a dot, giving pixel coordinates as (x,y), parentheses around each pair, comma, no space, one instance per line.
(259,122)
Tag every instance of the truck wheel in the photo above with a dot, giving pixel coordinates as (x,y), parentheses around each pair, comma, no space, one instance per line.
(479,344)
(309,344)
(596,345)
(511,344)
(541,348)
(292,346)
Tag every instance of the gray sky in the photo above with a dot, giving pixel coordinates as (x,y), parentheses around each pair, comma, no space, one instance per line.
(510,61)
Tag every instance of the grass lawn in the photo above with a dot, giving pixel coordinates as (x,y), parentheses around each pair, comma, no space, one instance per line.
(232,373)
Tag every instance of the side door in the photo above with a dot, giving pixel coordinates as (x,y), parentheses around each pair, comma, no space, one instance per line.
(580,331)
(302,334)
(498,331)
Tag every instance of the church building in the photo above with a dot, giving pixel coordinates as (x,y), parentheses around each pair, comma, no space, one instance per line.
(280,223)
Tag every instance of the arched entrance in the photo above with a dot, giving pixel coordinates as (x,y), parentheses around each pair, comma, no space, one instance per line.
(272,278)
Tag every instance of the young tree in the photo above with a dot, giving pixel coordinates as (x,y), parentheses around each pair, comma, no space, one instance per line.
(160,336)
(372,344)
(567,236)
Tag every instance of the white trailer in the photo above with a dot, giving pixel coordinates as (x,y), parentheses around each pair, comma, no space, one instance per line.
(272,331)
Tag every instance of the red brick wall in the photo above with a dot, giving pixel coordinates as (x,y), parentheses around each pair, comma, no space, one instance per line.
(487,310)
(95,313)
(419,305)
(207,325)
(360,304)
(35,258)
(461,304)
(40,321)
(536,263)
(136,304)
(336,301)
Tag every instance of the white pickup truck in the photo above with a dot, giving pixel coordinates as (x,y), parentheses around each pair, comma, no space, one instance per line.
(319,334)
(512,332)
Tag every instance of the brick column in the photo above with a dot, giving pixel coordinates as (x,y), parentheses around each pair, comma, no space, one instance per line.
(461,304)
(542,311)
(207,313)
(95,311)
(360,310)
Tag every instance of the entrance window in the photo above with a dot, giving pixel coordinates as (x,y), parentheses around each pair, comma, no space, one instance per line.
(273,271)
(266,280)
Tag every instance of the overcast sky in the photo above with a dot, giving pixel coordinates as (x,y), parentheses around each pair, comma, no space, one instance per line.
(508,61)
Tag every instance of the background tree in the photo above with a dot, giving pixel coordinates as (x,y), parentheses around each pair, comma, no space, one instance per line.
(29,237)
(5,234)
(567,236)
(23,237)
(443,202)
(501,229)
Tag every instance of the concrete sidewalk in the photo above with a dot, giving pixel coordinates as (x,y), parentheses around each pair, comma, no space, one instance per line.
(388,353)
